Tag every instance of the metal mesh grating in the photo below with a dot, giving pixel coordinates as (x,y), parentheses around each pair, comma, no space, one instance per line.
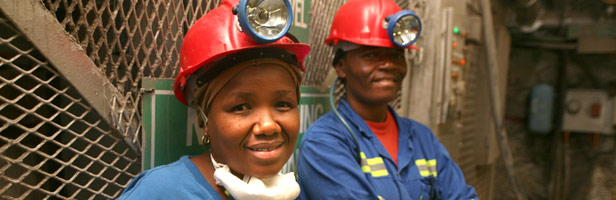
(53,144)
(129,40)
(404,4)
(319,60)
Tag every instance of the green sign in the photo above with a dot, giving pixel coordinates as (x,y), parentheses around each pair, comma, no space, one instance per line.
(171,129)
(301,20)
(313,103)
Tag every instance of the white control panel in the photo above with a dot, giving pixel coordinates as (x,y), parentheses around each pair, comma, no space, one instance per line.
(588,111)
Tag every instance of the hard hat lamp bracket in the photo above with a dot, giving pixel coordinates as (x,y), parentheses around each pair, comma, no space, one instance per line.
(403,28)
(264,21)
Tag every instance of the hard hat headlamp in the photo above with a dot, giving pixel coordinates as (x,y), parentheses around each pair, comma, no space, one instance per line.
(403,28)
(264,21)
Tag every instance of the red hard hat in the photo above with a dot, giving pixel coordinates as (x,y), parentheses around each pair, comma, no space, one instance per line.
(361,22)
(216,35)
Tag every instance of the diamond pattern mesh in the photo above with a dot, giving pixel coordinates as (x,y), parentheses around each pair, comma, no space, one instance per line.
(53,144)
(129,40)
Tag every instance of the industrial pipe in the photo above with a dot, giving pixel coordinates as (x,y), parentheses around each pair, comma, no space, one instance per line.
(492,69)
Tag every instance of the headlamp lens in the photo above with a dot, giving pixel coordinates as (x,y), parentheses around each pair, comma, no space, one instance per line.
(404,28)
(265,20)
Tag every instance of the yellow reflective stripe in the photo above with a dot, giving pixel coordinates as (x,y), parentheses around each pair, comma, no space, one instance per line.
(432,167)
(365,169)
(380,173)
(376,163)
(375,160)
(423,168)
(421,162)
(381,198)
(426,168)
(378,167)
(364,164)
(431,162)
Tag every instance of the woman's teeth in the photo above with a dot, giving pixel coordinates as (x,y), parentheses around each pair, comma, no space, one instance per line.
(264,149)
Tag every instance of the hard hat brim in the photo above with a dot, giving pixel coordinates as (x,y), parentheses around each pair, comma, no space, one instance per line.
(299,49)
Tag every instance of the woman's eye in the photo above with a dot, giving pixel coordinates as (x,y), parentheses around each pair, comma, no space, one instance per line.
(240,108)
(284,105)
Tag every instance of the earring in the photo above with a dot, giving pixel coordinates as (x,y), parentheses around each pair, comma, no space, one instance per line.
(205,139)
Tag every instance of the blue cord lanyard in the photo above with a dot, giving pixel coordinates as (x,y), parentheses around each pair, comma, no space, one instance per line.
(341,118)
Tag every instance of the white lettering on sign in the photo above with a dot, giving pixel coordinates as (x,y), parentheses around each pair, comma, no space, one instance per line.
(299,19)
(192,127)
(308,114)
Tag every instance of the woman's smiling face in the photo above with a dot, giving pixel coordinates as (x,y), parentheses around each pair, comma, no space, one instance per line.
(254,121)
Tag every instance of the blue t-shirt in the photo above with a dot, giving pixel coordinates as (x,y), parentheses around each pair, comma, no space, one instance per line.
(178,180)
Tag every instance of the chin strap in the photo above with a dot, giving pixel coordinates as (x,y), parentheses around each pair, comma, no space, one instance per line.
(281,186)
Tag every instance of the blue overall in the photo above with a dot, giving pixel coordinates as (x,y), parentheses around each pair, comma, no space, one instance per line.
(328,167)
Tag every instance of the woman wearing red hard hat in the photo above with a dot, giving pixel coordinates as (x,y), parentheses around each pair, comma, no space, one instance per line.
(363,149)
(241,72)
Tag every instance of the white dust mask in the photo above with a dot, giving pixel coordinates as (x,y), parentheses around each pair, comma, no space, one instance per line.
(279,187)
